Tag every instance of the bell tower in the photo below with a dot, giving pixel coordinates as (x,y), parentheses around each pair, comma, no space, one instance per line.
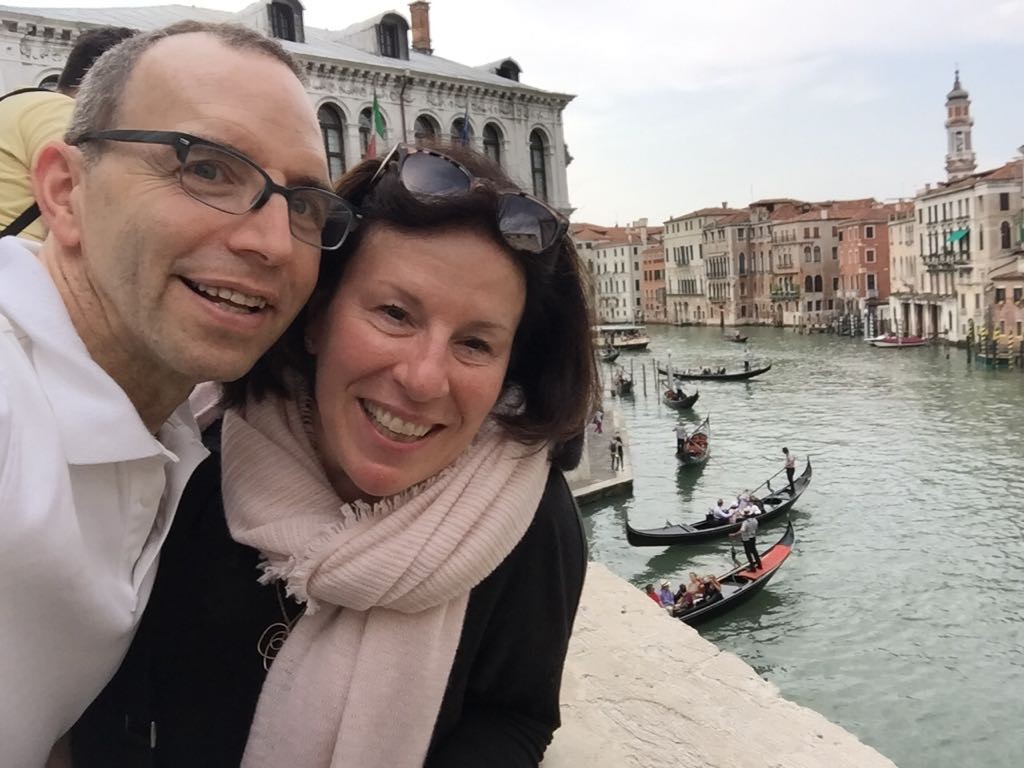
(959,151)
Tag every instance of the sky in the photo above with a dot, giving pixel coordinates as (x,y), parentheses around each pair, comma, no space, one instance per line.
(686,104)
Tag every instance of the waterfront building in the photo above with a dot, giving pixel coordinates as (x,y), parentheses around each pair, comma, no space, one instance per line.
(764,300)
(684,265)
(966,238)
(724,241)
(420,94)
(652,284)
(865,269)
(612,257)
(906,271)
(806,249)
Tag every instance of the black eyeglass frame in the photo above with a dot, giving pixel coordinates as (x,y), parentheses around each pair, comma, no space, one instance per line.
(403,151)
(181,143)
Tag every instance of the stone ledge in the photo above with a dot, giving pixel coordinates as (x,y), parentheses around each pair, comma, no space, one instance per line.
(644,690)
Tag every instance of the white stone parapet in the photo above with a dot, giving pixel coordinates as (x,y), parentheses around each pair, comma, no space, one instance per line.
(644,690)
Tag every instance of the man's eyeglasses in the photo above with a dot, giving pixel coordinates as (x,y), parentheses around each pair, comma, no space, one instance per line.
(229,181)
(526,223)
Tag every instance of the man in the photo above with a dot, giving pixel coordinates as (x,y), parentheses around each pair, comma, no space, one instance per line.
(720,513)
(748,535)
(665,596)
(618,452)
(142,288)
(790,463)
(30,118)
(681,437)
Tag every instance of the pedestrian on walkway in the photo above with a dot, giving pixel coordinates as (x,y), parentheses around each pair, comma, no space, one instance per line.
(617,452)
(790,469)
(598,421)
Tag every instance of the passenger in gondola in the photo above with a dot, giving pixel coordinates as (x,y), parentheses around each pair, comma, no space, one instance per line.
(649,591)
(712,589)
(706,371)
(665,595)
(679,392)
(683,603)
(719,514)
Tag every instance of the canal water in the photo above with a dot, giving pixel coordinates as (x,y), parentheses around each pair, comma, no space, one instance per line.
(900,614)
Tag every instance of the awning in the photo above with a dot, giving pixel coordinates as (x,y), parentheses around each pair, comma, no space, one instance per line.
(953,237)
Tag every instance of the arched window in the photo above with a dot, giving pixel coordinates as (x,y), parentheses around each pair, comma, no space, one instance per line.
(817,283)
(538,165)
(462,130)
(365,129)
(817,253)
(332,128)
(492,142)
(426,128)
(1004,234)
(743,263)
(807,253)
(808,284)
(50,82)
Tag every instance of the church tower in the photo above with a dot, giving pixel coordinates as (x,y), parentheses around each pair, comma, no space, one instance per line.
(959,152)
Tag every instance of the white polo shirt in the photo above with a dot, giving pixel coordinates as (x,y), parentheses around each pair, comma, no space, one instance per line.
(86,499)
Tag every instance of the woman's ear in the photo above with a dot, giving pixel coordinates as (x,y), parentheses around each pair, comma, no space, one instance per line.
(56,177)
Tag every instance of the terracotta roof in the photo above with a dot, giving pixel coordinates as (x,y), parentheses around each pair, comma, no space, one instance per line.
(703,212)
(1007,172)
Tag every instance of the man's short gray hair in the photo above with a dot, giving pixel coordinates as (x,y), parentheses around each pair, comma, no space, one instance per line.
(99,97)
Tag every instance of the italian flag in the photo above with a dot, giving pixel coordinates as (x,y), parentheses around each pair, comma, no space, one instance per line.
(376,128)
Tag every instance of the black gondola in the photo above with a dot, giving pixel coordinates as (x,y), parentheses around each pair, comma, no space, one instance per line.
(742,583)
(697,449)
(608,354)
(779,501)
(737,338)
(669,398)
(699,376)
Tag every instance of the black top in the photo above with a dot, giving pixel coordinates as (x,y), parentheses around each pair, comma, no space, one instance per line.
(187,690)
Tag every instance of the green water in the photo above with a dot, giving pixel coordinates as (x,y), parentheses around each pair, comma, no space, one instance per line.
(900,615)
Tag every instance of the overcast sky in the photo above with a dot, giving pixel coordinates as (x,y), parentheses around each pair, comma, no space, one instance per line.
(685,104)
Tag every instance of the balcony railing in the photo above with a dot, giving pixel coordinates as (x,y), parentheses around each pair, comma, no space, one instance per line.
(939,262)
(784,294)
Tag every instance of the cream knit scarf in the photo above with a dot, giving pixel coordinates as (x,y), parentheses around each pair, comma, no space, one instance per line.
(359,681)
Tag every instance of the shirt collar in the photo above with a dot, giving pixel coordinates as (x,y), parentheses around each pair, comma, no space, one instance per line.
(97,422)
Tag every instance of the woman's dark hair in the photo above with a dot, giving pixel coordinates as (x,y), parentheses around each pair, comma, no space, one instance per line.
(552,363)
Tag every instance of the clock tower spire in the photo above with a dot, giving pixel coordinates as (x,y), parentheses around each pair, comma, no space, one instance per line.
(959,151)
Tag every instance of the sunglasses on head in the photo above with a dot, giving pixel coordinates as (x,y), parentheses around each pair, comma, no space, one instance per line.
(526,223)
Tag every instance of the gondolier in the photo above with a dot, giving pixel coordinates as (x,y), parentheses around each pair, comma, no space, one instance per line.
(748,535)
(681,437)
(790,467)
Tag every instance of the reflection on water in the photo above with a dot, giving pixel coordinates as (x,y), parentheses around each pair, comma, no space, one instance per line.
(899,615)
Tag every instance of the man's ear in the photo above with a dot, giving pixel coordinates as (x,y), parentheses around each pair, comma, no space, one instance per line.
(56,174)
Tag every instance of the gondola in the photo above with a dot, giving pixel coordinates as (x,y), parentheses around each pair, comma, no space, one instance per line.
(776,503)
(669,398)
(697,450)
(742,583)
(608,354)
(737,338)
(689,375)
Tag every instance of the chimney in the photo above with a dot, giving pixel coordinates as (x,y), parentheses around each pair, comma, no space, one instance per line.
(725,204)
(420,12)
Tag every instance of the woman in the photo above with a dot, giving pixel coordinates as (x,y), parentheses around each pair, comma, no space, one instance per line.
(389,464)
